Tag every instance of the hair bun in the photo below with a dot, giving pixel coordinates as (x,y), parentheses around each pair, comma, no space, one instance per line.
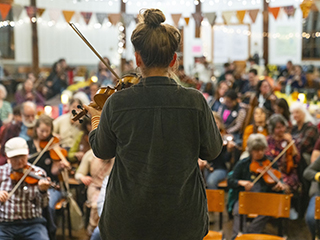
(153,17)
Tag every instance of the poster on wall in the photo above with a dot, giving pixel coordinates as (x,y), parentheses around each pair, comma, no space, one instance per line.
(286,42)
(230,43)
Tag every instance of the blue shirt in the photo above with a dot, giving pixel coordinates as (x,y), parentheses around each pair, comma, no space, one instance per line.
(23,133)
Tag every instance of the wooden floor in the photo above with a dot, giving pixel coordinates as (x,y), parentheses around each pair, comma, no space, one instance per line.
(297,230)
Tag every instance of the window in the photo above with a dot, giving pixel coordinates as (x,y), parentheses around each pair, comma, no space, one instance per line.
(7,39)
(311,37)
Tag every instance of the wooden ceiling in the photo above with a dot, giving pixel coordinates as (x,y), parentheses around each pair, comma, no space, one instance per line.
(6,1)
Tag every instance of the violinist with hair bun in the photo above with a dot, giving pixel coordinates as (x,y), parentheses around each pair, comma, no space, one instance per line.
(241,179)
(21,214)
(156,130)
(42,134)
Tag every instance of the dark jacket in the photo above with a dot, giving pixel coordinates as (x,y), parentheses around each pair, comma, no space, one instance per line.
(157,130)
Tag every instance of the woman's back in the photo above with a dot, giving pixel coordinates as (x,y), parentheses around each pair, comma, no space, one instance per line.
(156,179)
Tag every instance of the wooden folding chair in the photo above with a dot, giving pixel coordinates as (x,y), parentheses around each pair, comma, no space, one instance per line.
(317,217)
(266,204)
(215,199)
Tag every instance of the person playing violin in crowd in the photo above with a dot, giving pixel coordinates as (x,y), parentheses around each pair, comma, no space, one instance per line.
(242,180)
(43,133)
(155,186)
(21,214)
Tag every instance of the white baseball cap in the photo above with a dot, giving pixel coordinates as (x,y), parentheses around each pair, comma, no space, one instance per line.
(16,146)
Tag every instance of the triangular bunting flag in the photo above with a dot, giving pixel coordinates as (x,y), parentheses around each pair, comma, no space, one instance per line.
(212,16)
(187,19)
(101,17)
(127,18)
(305,8)
(86,16)
(176,18)
(31,11)
(253,14)
(289,10)
(240,15)
(16,10)
(274,11)
(114,18)
(68,15)
(197,18)
(40,11)
(227,16)
(76,17)
(54,14)
(4,10)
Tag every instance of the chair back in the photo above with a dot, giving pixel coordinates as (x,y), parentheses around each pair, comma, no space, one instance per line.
(215,199)
(267,204)
(317,209)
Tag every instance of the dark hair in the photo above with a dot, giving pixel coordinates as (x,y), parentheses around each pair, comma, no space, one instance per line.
(54,66)
(229,72)
(274,119)
(61,60)
(17,110)
(254,71)
(46,120)
(260,84)
(231,94)
(282,103)
(226,65)
(155,42)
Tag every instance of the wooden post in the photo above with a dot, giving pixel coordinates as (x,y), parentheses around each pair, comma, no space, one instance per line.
(35,48)
(198,11)
(123,60)
(265,32)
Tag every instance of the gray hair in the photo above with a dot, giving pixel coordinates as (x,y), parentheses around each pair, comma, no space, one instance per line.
(274,119)
(4,91)
(256,141)
(303,109)
(28,104)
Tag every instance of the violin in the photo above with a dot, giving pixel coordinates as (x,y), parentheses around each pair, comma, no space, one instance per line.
(271,176)
(57,154)
(266,167)
(32,177)
(104,93)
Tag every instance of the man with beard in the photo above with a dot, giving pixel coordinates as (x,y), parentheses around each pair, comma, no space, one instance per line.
(18,127)
(28,114)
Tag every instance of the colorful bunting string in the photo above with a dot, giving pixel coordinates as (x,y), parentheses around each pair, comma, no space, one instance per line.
(240,15)
(176,19)
(68,15)
(86,16)
(187,19)
(4,10)
(274,11)
(253,14)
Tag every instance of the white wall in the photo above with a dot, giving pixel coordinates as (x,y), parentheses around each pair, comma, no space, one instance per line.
(60,41)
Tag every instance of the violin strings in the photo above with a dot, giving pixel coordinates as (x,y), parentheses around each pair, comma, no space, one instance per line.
(92,48)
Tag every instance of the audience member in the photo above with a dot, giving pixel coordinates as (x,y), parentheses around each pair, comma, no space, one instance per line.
(65,128)
(241,180)
(218,97)
(21,214)
(5,107)
(27,93)
(91,173)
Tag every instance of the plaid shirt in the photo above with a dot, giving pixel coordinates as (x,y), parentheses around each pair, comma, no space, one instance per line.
(27,201)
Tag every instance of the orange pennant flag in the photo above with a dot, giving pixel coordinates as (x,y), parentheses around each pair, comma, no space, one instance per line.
(4,10)
(274,11)
(114,18)
(68,15)
(187,19)
(305,8)
(176,18)
(40,11)
(253,14)
(240,15)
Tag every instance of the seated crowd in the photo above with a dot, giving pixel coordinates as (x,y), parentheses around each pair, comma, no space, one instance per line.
(254,124)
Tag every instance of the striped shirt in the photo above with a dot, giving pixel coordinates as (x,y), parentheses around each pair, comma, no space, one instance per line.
(27,201)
